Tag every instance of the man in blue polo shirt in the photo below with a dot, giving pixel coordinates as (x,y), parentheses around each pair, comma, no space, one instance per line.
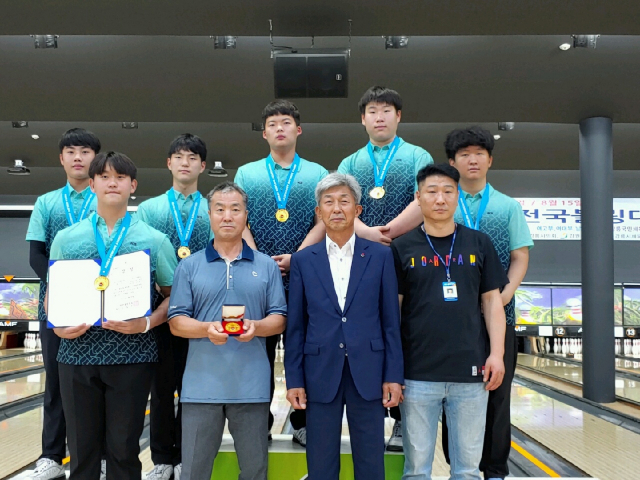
(483,208)
(226,378)
(182,214)
(281,191)
(386,169)
(52,212)
(106,371)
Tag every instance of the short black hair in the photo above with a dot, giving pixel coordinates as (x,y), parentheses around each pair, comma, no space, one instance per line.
(377,94)
(117,161)
(79,137)
(442,169)
(189,143)
(475,136)
(281,107)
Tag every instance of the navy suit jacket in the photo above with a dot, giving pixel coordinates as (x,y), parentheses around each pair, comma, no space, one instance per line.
(368,328)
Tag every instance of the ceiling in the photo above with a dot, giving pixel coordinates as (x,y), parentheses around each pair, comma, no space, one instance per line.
(321,17)
(467,63)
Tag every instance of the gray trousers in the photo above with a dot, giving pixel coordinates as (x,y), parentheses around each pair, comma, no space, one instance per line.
(202,429)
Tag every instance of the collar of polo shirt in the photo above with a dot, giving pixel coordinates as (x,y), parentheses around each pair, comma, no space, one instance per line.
(212,254)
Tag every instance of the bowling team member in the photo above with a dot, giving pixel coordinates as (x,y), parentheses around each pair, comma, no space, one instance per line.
(343,337)
(483,208)
(447,271)
(386,169)
(182,214)
(106,371)
(281,207)
(52,212)
(226,378)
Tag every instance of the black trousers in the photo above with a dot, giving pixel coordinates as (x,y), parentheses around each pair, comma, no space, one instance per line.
(272,345)
(54,428)
(165,425)
(497,434)
(105,409)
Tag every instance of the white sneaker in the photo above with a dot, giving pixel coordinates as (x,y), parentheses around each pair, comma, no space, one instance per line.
(395,441)
(160,472)
(300,436)
(177,471)
(47,469)
(103,470)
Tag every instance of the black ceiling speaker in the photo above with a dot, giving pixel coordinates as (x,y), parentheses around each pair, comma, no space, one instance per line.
(311,73)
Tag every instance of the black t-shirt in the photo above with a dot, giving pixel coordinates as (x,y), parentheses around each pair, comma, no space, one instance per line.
(445,341)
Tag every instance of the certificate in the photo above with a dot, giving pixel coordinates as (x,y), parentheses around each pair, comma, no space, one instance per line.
(73,298)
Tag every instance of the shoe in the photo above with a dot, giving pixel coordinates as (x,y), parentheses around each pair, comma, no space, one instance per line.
(160,472)
(177,471)
(270,439)
(47,469)
(103,470)
(300,436)
(395,440)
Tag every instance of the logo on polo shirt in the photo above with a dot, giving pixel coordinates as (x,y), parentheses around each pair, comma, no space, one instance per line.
(255,274)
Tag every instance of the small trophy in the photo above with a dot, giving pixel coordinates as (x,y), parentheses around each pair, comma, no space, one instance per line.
(232,316)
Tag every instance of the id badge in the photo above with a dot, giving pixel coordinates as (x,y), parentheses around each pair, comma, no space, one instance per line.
(450,291)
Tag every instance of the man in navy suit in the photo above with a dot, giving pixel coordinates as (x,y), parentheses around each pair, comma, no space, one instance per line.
(343,342)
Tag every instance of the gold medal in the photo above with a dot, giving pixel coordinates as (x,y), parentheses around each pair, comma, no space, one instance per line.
(232,327)
(282,215)
(377,192)
(101,283)
(184,252)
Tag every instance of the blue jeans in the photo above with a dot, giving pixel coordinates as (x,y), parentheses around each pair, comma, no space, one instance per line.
(465,405)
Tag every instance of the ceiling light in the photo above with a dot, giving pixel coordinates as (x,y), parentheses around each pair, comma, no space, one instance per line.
(217,170)
(132,197)
(506,126)
(130,125)
(45,41)
(224,42)
(396,42)
(21,124)
(584,41)
(18,168)
(257,127)
(496,137)
(35,137)
(565,46)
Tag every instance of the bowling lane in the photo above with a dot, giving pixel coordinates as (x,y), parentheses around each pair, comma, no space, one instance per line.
(12,365)
(572,372)
(627,365)
(601,449)
(18,352)
(20,388)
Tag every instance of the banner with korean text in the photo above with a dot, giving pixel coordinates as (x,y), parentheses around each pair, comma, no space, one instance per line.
(559,218)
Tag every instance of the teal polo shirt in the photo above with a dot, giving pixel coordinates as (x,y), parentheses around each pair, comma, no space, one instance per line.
(271,236)
(156,213)
(400,183)
(99,346)
(47,219)
(505,223)
(236,372)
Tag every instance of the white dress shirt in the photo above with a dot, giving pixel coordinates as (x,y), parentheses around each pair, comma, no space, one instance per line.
(340,260)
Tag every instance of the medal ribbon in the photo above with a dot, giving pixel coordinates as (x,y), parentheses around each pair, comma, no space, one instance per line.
(184,232)
(466,214)
(68,208)
(107,257)
(447,266)
(282,195)
(379,174)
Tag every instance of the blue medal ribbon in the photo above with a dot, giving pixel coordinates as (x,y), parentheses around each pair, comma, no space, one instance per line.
(68,208)
(379,174)
(282,195)
(447,266)
(466,214)
(184,231)
(107,257)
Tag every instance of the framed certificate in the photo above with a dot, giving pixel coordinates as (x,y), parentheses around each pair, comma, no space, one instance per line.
(73,298)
